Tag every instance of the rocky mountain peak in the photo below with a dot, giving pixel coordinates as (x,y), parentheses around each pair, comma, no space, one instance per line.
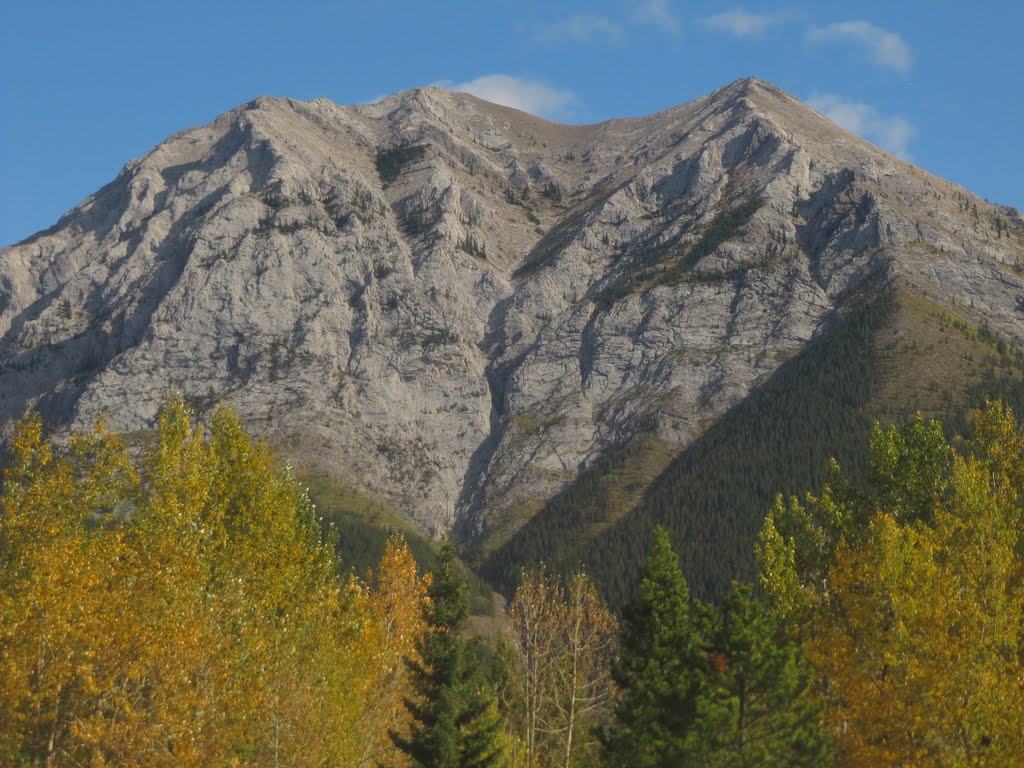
(456,307)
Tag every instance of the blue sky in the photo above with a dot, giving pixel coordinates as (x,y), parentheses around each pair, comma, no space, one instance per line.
(84,87)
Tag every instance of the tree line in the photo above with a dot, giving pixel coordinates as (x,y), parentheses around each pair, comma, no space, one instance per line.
(712,497)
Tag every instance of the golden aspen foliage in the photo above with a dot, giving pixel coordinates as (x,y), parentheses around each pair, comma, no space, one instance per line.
(583,685)
(555,665)
(392,609)
(913,615)
(535,614)
(182,609)
(59,568)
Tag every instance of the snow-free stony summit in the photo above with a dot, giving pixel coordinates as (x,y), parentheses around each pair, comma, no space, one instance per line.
(457,306)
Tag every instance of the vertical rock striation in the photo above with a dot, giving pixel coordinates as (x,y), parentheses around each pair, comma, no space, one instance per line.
(457,306)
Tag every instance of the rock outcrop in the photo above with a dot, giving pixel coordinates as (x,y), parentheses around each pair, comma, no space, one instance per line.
(457,306)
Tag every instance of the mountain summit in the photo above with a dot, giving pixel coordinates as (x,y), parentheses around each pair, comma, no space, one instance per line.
(456,307)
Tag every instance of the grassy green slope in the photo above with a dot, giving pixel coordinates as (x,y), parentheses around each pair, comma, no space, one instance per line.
(362,525)
(897,355)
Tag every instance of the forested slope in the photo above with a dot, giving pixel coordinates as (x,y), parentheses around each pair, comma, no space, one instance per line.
(896,355)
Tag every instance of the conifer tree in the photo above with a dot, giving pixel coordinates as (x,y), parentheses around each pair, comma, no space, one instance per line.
(455,721)
(660,670)
(758,708)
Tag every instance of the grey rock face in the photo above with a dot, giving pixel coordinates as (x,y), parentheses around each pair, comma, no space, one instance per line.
(463,329)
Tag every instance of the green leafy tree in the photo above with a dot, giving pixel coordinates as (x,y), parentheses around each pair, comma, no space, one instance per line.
(660,670)
(908,475)
(455,721)
(758,707)
(909,468)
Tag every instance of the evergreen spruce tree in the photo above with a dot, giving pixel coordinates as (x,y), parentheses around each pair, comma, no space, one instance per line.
(758,708)
(661,671)
(455,718)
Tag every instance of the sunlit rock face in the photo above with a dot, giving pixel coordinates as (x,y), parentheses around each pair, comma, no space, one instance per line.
(456,306)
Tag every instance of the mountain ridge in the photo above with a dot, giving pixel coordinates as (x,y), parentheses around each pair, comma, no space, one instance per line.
(464,337)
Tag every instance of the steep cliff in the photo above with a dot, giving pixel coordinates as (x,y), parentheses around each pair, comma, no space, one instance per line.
(456,307)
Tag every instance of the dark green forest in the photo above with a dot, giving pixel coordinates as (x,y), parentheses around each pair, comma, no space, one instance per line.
(712,498)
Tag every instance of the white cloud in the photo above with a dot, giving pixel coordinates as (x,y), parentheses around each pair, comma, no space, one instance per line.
(585,27)
(531,96)
(581,28)
(658,13)
(739,23)
(891,132)
(887,49)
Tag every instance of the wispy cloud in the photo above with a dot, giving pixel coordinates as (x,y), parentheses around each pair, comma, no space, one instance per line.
(531,96)
(586,27)
(581,28)
(886,49)
(891,132)
(739,23)
(659,14)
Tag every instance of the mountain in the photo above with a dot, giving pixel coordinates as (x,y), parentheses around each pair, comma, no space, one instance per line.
(448,310)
